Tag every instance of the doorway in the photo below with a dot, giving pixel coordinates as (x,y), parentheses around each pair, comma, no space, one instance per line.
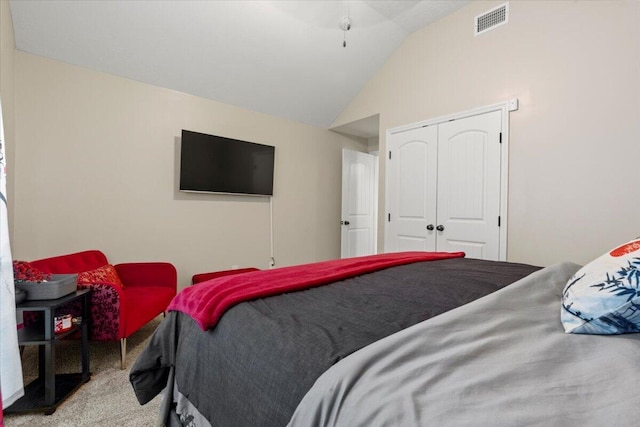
(358,234)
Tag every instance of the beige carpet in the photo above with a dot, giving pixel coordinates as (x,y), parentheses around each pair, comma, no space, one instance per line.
(107,399)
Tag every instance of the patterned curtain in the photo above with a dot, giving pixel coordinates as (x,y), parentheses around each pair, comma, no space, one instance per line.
(11,386)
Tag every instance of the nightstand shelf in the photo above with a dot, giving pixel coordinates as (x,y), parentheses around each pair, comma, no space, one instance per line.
(48,390)
(35,336)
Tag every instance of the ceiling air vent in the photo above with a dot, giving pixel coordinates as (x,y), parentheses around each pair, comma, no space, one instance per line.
(492,19)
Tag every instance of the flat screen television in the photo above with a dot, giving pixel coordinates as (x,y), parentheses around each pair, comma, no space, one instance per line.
(215,164)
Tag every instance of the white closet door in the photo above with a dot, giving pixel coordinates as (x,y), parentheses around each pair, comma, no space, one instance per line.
(469,152)
(411,186)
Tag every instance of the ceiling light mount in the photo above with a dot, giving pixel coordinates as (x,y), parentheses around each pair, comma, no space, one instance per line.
(345,25)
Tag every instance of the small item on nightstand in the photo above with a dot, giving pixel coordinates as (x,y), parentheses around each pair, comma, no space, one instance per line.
(62,323)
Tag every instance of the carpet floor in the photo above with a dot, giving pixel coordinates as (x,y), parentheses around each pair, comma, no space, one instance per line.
(107,399)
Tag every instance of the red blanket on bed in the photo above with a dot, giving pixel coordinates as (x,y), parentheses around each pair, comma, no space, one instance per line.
(207,301)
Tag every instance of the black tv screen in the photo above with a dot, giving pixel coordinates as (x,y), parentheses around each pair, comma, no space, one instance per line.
(216,164)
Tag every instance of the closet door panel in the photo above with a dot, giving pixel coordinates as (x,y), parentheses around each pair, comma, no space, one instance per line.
(468,196)
(412,184)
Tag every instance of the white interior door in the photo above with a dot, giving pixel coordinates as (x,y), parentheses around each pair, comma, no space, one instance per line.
(359,204)
(412,168)
(469,152)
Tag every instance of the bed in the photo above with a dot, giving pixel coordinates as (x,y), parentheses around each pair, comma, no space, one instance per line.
(446,341)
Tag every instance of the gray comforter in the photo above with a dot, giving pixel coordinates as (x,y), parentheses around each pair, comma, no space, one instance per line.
(255,366)
(503,360)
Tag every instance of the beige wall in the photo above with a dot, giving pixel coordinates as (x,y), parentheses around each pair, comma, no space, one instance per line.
(96,166)
(7,54)
(575,142)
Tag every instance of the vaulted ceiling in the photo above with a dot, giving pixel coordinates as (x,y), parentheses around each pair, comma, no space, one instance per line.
(284,58)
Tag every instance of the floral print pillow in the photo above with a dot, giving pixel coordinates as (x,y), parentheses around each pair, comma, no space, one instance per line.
(603,297)
(105,274)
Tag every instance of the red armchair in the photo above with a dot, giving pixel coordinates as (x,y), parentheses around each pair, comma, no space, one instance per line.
(117,312)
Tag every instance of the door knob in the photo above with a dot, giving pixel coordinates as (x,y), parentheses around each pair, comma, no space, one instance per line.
(440,228)
(344,222)
(430,227)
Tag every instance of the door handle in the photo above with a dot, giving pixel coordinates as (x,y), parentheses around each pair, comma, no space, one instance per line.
(440,228)
(430,227)
(344,222)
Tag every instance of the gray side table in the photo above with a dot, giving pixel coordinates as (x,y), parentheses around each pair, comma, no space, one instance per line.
(49,390)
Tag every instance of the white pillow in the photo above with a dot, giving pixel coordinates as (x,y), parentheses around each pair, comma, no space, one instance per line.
(603,297)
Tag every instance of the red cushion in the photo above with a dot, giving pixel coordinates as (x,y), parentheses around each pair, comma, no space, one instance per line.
(197,278)
(106,274)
